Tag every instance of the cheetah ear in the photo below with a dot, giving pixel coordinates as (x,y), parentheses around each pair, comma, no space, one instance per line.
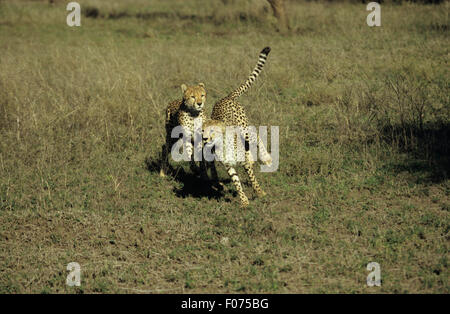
(201,84)
(183,87)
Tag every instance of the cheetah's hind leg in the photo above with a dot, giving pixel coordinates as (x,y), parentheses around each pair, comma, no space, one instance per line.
(248,166)
(237,184)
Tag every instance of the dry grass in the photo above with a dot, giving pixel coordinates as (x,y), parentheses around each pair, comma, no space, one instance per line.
(364,124)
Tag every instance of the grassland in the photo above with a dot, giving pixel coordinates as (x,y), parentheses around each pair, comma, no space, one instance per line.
(364,155)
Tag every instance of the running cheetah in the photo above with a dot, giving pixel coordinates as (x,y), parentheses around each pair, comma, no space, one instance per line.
(228,112)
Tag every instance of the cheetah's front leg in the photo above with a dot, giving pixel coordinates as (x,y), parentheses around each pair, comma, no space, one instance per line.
(187,139)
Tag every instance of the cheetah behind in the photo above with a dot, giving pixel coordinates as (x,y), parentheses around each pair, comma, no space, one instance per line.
(184,112)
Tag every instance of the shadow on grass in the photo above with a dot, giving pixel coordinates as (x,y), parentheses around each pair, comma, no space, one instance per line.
(191,184)
(427,149)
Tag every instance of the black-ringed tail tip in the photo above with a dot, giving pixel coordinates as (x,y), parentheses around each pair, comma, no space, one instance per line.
(266,50)
(252,77)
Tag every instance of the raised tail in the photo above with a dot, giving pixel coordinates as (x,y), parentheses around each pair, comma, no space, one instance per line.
(246,85)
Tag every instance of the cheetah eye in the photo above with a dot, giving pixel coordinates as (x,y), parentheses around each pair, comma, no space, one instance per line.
(193,97)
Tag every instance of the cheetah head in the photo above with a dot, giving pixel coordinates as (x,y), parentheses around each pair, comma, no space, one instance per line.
(212,130)
(194,96)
